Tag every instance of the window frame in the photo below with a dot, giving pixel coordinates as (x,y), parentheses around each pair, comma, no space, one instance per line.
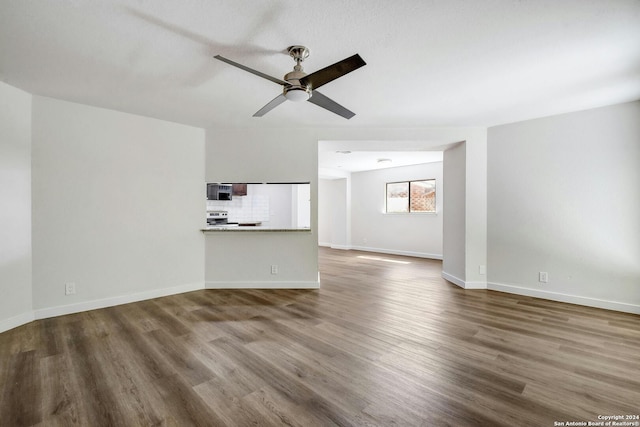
(409,211)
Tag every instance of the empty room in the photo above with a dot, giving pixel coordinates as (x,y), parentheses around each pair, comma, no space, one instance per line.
(355,213)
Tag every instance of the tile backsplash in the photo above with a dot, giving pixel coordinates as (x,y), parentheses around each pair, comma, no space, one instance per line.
(243,208)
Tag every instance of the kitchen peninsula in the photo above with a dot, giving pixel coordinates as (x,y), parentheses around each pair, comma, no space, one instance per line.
(259,228)
(260,257)
(260,237)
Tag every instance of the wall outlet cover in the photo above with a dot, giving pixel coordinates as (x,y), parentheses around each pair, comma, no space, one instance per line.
(69,288)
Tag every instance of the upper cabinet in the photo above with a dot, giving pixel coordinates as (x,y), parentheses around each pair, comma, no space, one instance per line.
(239,189)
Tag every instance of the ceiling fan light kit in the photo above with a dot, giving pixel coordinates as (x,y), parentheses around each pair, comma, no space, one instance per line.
(296,94)
(300,86)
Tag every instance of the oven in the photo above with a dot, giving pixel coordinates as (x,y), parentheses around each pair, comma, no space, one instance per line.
(217,217)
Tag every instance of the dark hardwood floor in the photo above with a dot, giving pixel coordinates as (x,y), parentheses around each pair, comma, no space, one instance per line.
(385,341)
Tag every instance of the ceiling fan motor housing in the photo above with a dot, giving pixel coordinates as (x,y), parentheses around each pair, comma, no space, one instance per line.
(295,91)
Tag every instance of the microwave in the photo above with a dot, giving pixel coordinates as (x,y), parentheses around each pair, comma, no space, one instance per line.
(219,191)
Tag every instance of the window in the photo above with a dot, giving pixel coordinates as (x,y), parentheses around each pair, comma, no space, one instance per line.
(411,196)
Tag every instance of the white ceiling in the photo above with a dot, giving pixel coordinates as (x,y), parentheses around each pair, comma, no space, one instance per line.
(429,63)
(358,161)
(336,159)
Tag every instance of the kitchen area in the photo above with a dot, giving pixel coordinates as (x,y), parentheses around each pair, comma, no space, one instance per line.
(258,207)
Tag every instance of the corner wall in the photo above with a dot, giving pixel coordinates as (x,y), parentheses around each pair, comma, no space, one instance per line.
(564,198)
(334,213)
(454,224)
(15,210)
(117,207)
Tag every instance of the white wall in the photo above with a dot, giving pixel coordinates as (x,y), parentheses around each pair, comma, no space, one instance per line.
(334,213)
(118,203)
(245,259)
(15,207)
(407,234)
(454,226)
(325,211)
(475,238)
(564,198)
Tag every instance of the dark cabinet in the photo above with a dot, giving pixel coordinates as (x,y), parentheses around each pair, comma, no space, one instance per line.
(239,189)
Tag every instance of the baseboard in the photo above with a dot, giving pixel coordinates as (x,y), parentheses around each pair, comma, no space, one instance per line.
(332,246)
(61,310)
(341,247)
(453,279)
(15,321)
(463,284)
(397,252)
(262,284)
(571,299)
(475,285)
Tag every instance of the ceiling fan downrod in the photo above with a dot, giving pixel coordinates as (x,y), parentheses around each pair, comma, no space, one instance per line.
(299,54)
(296,91)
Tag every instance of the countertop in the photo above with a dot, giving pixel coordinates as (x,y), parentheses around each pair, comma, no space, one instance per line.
(260,228)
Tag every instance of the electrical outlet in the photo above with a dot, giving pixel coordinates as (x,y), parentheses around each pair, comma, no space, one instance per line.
(482,270)
(274,269)
(69,288)
(543,277)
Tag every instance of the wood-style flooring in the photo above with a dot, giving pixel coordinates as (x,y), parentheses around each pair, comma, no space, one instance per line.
(384,342)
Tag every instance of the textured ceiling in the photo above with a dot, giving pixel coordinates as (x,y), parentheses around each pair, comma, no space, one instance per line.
(429,63)
(358,161)
(336,159)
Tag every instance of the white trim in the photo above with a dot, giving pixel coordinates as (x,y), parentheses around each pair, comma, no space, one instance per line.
(341,247)
(397,252)
(475,285)
(61,310)
(262,285)
(572,299)
(15,321)
(453,279)
(332,246)
(464,285)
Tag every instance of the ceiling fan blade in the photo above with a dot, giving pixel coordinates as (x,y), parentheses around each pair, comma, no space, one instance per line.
(332,72)
(329,104)
(251,70)
(270,106)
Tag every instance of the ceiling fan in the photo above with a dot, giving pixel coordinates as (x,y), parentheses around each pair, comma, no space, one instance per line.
(300,86)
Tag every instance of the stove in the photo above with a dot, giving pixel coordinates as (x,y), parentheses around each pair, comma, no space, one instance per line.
(217,217)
